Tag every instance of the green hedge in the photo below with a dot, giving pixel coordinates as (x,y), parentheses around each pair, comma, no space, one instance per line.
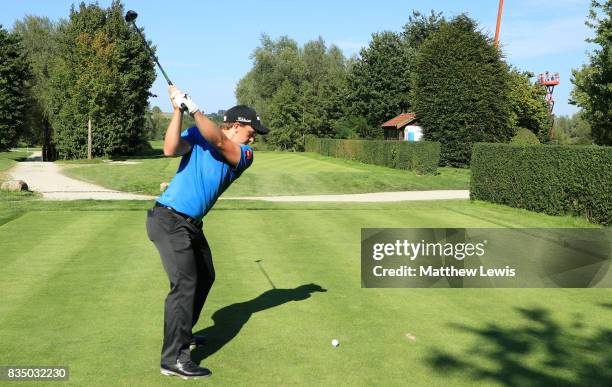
(554,179)
(421,156)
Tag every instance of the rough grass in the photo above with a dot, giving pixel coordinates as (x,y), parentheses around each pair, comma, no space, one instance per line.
(8,160)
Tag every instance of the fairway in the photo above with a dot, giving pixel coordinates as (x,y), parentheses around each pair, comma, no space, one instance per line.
(275,173)
(82,286)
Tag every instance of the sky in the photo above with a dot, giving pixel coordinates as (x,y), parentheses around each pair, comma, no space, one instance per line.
(205,46)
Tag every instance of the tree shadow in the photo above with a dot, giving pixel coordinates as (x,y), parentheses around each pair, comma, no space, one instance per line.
(539,352)
(153,154)
(229,320)
(28,159)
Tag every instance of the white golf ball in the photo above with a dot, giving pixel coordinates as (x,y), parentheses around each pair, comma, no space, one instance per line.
(335,343)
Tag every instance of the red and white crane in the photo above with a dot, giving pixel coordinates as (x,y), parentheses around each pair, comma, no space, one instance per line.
(547,79)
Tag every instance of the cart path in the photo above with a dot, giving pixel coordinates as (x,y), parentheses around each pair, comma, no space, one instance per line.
(46,178)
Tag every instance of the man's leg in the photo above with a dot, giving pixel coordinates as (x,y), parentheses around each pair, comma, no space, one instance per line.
(206,276)
(179,261)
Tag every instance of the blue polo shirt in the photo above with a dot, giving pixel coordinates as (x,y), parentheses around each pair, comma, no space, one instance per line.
(203,175)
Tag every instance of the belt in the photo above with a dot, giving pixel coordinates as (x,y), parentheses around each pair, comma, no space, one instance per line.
(196,222)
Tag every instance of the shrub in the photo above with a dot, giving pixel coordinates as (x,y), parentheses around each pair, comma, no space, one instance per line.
(421,156)
(554,179)
(524,137)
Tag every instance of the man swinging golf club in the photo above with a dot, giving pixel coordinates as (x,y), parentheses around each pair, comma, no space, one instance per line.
(212,158)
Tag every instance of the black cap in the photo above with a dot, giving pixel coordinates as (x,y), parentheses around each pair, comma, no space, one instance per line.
(245,115)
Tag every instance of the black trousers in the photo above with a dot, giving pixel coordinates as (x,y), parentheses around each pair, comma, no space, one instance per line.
(187,260)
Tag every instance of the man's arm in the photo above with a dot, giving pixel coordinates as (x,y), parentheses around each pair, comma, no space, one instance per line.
(174,145)
(215,136)
(208,129)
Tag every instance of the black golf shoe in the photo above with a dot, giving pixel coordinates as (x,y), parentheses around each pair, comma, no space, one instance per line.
(187,370)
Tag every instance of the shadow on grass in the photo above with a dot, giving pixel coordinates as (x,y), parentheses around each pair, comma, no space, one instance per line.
(606,305)
(538,352)
(146,154)
(230,319)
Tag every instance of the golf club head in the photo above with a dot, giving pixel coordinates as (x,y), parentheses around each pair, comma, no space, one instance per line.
(130,16)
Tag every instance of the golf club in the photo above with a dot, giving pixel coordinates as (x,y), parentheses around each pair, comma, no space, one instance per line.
(264,273)
(130,17)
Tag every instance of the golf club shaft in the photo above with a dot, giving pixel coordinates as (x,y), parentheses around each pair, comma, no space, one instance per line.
(265,274)
(152,54)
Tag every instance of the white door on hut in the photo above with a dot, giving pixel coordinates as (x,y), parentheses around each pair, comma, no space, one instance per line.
(413,133)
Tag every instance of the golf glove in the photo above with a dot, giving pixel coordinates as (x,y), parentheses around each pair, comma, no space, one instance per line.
(182,100)
(174,91)
(185,102)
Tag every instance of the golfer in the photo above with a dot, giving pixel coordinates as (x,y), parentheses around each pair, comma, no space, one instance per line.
(212,158)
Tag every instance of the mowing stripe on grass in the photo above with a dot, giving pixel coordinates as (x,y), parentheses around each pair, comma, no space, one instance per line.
(93,299)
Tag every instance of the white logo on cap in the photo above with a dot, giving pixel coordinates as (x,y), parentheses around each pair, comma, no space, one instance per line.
(242,119)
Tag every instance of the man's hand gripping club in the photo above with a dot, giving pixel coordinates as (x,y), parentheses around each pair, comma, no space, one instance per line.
(182,100)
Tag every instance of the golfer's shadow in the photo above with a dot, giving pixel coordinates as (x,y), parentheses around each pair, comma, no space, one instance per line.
(230,319)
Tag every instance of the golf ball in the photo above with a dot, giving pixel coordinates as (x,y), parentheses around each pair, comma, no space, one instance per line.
(335,343)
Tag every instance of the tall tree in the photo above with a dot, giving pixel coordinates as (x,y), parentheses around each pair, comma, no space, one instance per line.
(420,27)
(303,85)
(284,117)
(529,108)
(378,86)
(593,82)
(103,72)
(156,123)
(39,38)
(14,76)
(460,90)
(274,62)
(379,79)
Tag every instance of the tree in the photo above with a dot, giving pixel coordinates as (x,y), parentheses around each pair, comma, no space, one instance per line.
(529,108)
(593,82)
(304,85)
(379,80)
(14,77)
(460,90)
(39,39)
(574,130)
(356,127)
(156,123)
(103,73)
(420,27)
(284,117)
(274,62)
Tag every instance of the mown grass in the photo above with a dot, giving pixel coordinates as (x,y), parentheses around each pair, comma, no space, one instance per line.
(83,287)
(277,173)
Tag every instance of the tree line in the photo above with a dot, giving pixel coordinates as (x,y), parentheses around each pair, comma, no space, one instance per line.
(445,70)
(58,76)
(55,76)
